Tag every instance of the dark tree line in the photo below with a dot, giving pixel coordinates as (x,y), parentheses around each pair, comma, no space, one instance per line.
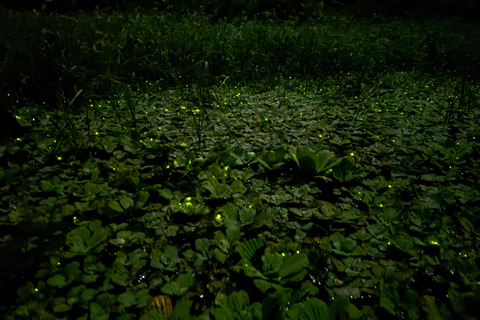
(283,9)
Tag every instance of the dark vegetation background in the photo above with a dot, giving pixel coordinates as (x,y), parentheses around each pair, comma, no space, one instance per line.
(43,64)
(283,8)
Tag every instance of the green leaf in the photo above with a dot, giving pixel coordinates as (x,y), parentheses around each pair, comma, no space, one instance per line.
(264,285)
(127,299)
(238,301)
(314,309)
(180,286)
(58,281)
(271,262)
(219,255)
(309,288)
(246,216)
(223,314)
(387,304)
(81,240)
(293,264)
(249,270)
(72,270)
(126,202)
(143,197)
(182,308)
(247,249)
(114,205)
(96,312)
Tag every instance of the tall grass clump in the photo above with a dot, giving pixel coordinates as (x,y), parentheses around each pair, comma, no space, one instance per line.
(52,57)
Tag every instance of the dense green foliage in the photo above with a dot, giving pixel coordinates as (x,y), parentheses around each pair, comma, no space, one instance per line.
(196,167)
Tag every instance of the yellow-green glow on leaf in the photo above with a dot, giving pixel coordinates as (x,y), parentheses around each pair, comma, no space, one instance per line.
(380,205)
(283,254)
(320,136)
(219,217)
(59,158)
(352,154)
(434,242)
(188,204)
(188,198)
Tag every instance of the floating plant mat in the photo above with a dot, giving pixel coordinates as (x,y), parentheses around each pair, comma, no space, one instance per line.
(230,204)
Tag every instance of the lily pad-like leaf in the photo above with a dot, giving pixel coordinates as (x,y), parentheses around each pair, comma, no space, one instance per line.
(274,158)
(343,245)
(115,206)
(246,215)
(309,160)
(247,249)
(314,309)
(131,298)
(249,270)
(238,301)
(126,202)
(83,239)
(97,312)
(271,262)
(165,259)
(58,281)
(217,189)
(264,285)
(293,264)
(180,286)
